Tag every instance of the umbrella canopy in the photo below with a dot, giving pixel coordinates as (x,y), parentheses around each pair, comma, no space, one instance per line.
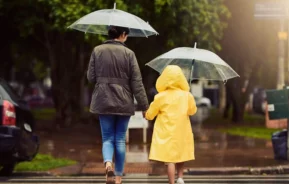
(99,21)
(195,63)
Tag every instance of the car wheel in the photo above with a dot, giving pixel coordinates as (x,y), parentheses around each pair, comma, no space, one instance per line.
(7,169)
(203,105)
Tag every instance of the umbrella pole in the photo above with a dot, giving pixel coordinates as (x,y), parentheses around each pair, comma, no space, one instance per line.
(191,75)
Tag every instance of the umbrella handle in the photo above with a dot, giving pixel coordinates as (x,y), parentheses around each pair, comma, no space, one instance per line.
(191,75)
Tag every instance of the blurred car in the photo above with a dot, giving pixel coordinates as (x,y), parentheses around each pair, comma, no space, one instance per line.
(35,94)
(17,140)
(203,102)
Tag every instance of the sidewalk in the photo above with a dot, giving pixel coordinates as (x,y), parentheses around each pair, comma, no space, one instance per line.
(96,169)
(149,169)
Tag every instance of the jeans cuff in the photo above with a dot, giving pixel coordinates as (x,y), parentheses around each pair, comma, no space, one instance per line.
(116,173)
(107,161)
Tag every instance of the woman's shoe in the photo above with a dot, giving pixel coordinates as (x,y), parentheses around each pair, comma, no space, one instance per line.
(110,175)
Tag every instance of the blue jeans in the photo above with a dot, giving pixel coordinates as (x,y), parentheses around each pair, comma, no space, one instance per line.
(113,131)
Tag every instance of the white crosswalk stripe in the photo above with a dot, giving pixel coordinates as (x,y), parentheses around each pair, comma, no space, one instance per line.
(272,179)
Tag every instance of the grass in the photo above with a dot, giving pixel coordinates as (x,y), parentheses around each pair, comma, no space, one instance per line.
(44,113)
(43,162)
(253,132)
(253,125)
(254,118)
(47,113)
(216,117)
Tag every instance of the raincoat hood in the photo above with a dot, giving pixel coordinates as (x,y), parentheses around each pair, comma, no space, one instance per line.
(172,78)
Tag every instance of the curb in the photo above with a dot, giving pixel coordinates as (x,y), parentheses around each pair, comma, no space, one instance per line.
(282,169)
(32,174)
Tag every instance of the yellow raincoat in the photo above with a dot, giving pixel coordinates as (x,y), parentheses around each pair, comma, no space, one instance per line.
(173,139)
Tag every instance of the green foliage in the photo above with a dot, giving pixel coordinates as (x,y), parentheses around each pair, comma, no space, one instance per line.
(179,22)
(44,113)
(64,13)
(187,21)
(44,162)
(39,70)
(253,132)
(216,118)
(43,24)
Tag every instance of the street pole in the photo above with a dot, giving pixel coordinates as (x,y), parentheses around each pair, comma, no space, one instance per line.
(280,79)
(286,67)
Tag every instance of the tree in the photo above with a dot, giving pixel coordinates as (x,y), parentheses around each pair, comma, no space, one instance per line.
(179,23)
(8,35)
(43,25)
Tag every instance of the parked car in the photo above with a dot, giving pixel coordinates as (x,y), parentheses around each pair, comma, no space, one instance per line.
(34,94)
(17,140)
(203,102)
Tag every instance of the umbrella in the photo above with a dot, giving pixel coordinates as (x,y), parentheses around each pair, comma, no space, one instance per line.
(195,63)
(99,21)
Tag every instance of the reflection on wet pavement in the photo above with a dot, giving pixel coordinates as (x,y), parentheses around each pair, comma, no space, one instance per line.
(212,148)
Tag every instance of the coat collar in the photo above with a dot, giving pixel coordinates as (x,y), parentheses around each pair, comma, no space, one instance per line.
(114,42)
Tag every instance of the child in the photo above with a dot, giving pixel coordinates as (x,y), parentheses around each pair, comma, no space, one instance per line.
(172,141)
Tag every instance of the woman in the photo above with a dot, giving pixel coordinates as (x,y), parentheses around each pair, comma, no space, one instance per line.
(116,74)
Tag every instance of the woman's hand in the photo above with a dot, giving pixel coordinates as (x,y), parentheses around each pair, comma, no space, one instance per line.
(144,114)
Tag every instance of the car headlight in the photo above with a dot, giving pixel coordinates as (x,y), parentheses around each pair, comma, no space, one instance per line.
(27,127)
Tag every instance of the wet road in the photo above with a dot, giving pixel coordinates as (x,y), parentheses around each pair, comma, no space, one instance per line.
(212,148)
(276,179)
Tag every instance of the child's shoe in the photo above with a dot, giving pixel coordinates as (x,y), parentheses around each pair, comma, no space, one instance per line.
(180,181)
